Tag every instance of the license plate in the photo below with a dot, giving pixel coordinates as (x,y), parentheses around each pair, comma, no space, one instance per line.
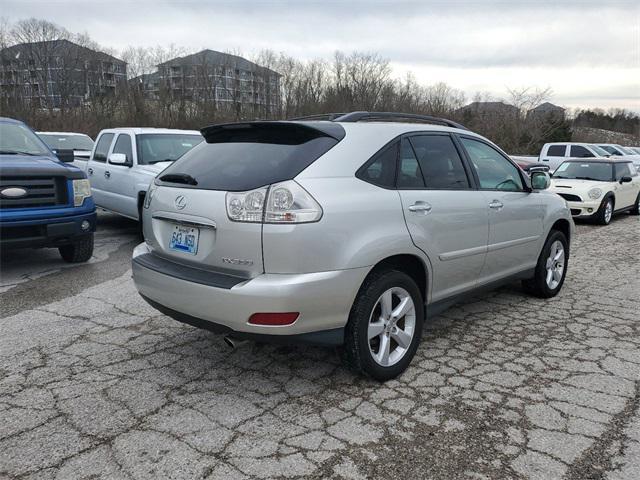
(184,239)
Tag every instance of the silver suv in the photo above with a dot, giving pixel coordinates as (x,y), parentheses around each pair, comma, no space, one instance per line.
(346,232)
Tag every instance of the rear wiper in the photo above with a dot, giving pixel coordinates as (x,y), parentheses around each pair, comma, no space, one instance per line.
(179,178)
(16,152)
(151,162)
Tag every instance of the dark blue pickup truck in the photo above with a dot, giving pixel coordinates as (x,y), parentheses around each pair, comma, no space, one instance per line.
(45,201)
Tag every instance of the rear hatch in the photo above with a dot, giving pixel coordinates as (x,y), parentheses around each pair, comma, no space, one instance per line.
(188,220)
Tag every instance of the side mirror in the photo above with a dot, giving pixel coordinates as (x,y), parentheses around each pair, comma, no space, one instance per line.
(540,180)
(625,179)
(119,159)
(65,156)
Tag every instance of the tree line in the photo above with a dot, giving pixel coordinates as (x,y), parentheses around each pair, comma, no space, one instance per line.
(345,82)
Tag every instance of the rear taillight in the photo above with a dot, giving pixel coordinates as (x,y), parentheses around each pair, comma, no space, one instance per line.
(273,318)
(285,202)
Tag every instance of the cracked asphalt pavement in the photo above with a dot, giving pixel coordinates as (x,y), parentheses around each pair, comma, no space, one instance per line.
(94,383)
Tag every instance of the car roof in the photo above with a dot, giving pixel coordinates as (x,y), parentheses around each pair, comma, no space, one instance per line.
(598,160)
(63,133)
(10,120)
(148,130)
(393,128)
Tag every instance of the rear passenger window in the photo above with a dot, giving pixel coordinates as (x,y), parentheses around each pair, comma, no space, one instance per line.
(381,169)
(409,173)
(556,150)
(102,148)
(439,162)
(579,151)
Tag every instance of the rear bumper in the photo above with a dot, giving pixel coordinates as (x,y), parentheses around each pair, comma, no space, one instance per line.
(46,232)
(323,299)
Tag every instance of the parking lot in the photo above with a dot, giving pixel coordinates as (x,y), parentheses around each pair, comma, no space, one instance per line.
(96,384)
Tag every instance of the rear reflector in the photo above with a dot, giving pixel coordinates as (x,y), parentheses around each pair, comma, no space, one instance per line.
(273,318)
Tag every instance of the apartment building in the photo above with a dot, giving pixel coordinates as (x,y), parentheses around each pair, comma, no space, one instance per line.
(57,73)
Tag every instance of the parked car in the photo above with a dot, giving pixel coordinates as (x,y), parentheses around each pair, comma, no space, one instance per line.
(625,152)
(125,160)
(553,154)
(598,188)
(528,165)
(44,200)
(80,143)
(339,232)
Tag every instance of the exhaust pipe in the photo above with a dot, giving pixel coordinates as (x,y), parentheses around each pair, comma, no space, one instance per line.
(234,342)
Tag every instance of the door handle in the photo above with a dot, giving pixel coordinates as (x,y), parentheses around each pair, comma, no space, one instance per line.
(107,174)
(420,207)
(496,204)
(90,171)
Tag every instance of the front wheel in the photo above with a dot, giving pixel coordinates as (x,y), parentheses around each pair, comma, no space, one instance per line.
(385,325)
(551,268)
(605,212)
(79,251)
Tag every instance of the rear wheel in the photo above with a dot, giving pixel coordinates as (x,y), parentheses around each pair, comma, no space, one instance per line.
(79,251)
(551,268)
(605,212)
(385,325)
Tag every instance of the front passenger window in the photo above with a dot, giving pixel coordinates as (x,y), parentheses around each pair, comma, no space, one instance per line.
(123,145)
(494,171)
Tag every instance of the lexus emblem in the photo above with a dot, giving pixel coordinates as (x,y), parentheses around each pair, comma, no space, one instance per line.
(13,192)
(180,202)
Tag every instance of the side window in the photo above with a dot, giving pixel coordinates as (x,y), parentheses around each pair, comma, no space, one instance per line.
(556,150)
(624,170)
(494,171)
(409,173)
(381,169)
(580,152)
(123,145)
(102,148)
(440,162)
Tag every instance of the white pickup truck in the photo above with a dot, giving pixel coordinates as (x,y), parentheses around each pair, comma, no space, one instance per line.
(124,161)
(553,154)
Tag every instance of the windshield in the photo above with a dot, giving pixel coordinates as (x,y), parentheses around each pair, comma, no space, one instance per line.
(16,139)
(600,171)
(67,142)
(164,147)
(610,149)
(601,152)
(627,151)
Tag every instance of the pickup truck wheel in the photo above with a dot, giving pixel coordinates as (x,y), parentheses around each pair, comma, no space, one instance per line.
(636,206)
(79,251)
(551,268)
(385,325)
(605,212)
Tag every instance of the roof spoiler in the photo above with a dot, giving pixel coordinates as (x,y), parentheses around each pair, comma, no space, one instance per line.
(217,132)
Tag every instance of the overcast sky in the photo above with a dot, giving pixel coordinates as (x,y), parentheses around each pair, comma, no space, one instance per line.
(588,52)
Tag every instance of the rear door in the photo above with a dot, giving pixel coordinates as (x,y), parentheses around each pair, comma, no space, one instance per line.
(446,216)
(96,168)
(515,215)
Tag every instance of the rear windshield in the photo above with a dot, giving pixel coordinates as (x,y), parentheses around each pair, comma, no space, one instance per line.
(164,147)
(240,159)
(67,142)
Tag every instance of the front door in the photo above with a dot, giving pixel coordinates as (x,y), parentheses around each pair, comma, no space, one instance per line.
(515,215)
(121,196)
(96,168)
(446,217)
(627,192)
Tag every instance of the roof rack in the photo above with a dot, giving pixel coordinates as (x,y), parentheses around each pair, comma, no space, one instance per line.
(378,116)
(360,116)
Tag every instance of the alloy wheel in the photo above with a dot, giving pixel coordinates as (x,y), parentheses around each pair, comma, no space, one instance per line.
(555,265)
(608,211)
(392,325)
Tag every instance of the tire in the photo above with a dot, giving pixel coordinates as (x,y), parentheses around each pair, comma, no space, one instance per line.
(539,285)
(636,206)
(358,350)
(602,216)
(79,251)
